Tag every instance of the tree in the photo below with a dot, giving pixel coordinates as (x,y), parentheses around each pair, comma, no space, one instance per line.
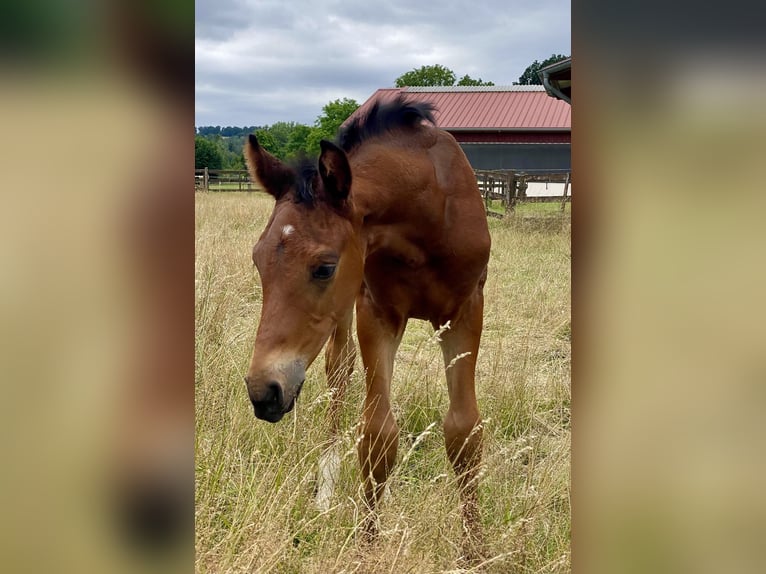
(326,125)
(281,132)
(469,81)
(530,77)
(298,140)
(231,150)
(436,75)
(230,131)
(209,130)
(206,154)
(267,141)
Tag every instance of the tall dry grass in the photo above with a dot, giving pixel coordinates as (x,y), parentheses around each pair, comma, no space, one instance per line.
(255,481)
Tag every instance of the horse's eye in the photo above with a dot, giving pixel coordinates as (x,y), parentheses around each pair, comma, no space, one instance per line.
(323,272)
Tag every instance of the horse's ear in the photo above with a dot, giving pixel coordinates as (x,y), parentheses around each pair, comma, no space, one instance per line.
(335,171)
(275,177)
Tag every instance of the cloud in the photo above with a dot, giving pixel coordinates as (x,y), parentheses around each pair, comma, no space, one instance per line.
(258,62)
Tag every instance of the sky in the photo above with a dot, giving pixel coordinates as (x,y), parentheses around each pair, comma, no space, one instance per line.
(263,61)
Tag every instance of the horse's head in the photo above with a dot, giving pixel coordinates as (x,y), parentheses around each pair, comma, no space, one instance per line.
(311,267)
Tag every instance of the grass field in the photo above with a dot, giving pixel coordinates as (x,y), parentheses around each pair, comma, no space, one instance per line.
(547,208)
(255,481)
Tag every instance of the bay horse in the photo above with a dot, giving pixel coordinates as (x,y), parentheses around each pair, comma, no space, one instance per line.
(390,221)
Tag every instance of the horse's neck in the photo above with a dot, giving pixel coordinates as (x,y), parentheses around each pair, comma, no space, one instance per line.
(387,181)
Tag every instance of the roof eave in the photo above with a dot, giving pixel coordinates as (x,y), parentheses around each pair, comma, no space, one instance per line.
(551,83)
(553,90)
(557,66)
(497,130)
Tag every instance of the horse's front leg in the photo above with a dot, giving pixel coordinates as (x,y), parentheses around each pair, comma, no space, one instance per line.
(380,332)
(462,425)
(340,355)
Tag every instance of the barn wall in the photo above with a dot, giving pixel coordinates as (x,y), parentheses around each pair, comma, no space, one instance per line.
(519,156)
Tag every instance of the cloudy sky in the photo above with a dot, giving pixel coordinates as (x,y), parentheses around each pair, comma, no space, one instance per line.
(263,61)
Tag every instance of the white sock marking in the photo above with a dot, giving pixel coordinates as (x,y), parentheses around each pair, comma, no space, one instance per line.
(329,469)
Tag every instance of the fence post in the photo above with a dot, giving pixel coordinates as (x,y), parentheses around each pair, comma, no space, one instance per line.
(522,186)
(481,182)
(564,197)
(510,193)
(206,180)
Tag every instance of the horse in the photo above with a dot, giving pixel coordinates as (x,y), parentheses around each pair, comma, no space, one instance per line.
(389,221)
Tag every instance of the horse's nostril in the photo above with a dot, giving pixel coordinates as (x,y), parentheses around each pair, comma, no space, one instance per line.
(275,392)
(268,405)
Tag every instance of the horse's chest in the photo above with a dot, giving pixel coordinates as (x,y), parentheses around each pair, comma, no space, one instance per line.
(392,252)
(405,275)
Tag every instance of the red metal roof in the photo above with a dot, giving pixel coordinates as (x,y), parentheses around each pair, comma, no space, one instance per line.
(486,108)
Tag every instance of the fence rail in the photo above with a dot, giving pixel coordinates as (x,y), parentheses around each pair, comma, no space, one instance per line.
(508,186)
(223,180)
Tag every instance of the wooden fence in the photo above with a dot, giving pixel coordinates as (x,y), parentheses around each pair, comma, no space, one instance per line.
(223,180)
(507,186)
(510,187)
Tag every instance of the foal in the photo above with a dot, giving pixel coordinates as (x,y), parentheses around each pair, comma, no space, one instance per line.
(390,221)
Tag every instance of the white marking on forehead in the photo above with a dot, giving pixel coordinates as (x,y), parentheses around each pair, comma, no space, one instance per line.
(287,230)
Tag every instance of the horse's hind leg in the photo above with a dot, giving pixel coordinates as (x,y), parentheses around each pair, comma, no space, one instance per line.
(340,354)
(379,336)
(462,428)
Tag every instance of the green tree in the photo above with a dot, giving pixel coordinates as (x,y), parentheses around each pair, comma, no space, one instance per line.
(206,154)
(232,151)
(469,81)
(298,140)
(281,132)
(229,148)
(209,130)
(229,131)
(267,141)
(530,77)
(284,139)
(436,75)
(326,125)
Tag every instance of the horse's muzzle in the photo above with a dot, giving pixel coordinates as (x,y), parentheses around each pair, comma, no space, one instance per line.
(272,399)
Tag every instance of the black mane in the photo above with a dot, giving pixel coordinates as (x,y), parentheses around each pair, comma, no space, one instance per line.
(383,117)
(305,173)
(380,119)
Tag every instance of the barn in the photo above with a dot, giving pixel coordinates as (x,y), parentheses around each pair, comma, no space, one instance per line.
(518,128)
